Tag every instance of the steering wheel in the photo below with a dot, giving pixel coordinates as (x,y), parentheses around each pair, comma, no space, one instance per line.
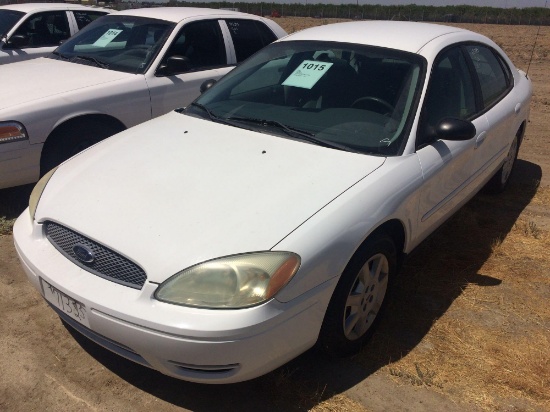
(368,101)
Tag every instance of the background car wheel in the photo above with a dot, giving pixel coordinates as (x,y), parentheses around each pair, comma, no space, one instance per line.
(499,181)
(67,141)
(359,298)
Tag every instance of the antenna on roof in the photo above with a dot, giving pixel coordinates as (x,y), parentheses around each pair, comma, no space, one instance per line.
(534,44)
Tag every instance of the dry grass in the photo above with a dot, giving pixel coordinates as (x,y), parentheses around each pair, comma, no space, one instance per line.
(490,345)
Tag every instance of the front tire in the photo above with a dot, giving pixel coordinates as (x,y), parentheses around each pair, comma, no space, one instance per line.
(68,141)
(359,298)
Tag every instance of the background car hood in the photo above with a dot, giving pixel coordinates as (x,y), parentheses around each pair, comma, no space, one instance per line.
(178,190)
(30,80)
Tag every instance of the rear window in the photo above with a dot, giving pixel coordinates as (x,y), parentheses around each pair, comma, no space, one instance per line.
(249,36)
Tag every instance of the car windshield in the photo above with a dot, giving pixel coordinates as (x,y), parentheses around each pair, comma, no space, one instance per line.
(8,18)
(123,43)
(345,96)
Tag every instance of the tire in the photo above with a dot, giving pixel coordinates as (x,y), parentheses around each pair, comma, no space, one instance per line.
(68,141)
(359,298)
(500,180)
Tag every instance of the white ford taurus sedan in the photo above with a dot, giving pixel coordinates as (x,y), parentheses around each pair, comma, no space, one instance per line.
(120,70)
(217,242)
(32,30)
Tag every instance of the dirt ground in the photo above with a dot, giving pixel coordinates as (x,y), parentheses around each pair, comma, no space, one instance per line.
(468,327)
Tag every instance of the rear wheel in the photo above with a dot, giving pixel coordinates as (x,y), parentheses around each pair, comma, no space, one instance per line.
(500,180)
(359,298)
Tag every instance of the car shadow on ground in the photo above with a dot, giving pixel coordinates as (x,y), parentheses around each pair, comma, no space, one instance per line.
(431,279)
(14,200)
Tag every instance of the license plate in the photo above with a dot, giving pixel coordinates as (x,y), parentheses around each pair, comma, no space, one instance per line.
(65,303)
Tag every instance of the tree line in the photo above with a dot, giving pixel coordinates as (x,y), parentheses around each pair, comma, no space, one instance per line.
(413,12)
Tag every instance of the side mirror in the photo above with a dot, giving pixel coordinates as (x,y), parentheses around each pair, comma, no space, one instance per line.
(207,84)
(455,129)
(174,65)
(17,41)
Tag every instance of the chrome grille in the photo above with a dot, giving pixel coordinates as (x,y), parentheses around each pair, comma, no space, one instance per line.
(106,263)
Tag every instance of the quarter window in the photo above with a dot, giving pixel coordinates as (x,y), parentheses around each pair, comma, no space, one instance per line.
(493,79)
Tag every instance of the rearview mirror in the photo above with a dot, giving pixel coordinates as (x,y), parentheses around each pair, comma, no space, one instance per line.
(207,84)
(17,41)
(452,128)
(174,65)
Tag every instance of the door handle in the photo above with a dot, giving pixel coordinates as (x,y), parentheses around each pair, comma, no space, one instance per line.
(480,139)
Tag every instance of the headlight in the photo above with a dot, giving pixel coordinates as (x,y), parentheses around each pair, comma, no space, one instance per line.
(12,132)
(37,191)
(231,282)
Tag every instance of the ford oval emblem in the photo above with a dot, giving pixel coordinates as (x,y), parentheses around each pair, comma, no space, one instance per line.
(83,253)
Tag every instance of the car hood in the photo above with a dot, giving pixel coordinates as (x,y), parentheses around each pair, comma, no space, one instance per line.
(177,190)
(30,80)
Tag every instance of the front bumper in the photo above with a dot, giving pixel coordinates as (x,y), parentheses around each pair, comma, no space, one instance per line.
(199,345)
(19,163)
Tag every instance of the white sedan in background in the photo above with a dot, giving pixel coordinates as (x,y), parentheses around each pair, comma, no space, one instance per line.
(32,30)
(218,242)
(120,70)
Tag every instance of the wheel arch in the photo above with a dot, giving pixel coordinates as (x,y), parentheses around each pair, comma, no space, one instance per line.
(521,132)
(395,229)
(78,125)
(76,121)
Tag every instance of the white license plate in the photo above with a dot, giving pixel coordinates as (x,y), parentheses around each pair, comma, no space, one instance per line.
(65,303)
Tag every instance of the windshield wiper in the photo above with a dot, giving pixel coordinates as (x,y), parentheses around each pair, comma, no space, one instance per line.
(63,56)
(97,62)
(211,115)
(215,118)
(294,132)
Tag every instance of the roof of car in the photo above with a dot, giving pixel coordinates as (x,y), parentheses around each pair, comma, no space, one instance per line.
(33,7)
(401,35)
(177,14)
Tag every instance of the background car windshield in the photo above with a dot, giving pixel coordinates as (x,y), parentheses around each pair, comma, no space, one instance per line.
(122,43)
(8,18)
(353,96)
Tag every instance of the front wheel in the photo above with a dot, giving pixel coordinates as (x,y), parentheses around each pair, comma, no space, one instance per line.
(68,141)
(359,298)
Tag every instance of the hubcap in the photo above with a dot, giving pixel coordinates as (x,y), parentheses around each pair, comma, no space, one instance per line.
(366,297)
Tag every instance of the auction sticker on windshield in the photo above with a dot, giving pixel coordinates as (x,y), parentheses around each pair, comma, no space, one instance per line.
(307,74)
(107,37)
(65,303)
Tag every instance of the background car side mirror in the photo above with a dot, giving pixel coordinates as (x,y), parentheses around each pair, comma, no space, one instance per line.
(207,84)
(17,41)
(452,128)
(174,65)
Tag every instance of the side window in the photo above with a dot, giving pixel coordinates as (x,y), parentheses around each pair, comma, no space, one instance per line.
(201,44)
(493,78)
(83,18)
(45,29)
(450,92)
(249,36)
